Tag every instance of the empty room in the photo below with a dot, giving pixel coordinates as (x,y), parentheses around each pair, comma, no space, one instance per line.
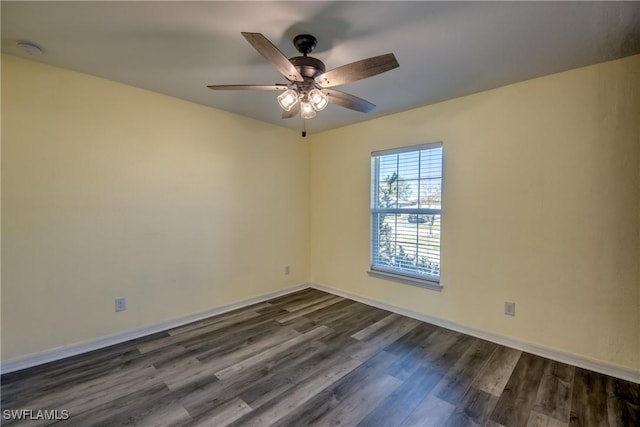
(320,213)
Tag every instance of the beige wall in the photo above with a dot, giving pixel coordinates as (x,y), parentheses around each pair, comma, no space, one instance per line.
(541,207)
(109,190)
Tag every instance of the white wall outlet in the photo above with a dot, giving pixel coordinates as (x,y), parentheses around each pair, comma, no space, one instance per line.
(510,308)
(121,304)
(287,270)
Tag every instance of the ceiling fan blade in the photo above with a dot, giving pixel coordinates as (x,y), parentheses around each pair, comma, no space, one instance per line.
(348,101)
(273,55)
(295,111)
(358,70)
(248,87)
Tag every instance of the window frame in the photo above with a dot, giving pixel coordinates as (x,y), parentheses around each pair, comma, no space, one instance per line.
(423,280)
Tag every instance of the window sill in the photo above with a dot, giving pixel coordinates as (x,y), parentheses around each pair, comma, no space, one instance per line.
(415,281)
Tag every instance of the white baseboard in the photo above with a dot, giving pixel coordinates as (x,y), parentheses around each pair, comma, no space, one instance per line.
(550,353)
(58,353)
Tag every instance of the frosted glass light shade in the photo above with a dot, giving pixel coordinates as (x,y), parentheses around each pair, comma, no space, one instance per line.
(307,111)
(288,99)
(318,100)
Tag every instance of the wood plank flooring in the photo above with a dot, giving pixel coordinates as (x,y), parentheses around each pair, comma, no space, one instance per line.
(315,359)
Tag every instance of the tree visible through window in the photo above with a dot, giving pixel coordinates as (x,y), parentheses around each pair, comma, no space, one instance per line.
(406,202)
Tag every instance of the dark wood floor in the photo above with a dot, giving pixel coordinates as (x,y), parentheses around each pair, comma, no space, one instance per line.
(312,358)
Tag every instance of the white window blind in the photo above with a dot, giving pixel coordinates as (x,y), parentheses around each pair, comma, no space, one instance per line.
(406,202)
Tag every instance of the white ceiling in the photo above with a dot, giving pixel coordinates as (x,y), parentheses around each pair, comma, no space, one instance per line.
(445,49)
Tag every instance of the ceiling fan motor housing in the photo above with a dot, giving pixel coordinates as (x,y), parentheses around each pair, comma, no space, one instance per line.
(308,66)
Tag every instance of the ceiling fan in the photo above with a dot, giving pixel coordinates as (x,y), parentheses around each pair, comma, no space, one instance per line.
(310,86)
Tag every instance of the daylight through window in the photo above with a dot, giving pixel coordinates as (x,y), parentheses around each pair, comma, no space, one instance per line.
(406,200)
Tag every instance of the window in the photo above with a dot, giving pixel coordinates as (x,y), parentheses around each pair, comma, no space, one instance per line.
(406,190)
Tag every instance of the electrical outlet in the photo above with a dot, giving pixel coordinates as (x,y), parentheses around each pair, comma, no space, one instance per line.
(287,270)
(510,308)
(121,304)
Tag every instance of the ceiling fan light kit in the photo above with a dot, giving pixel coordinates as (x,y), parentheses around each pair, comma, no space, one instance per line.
(309,82)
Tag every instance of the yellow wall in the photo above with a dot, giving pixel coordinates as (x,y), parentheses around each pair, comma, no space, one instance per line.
(109,190)
(541,207)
